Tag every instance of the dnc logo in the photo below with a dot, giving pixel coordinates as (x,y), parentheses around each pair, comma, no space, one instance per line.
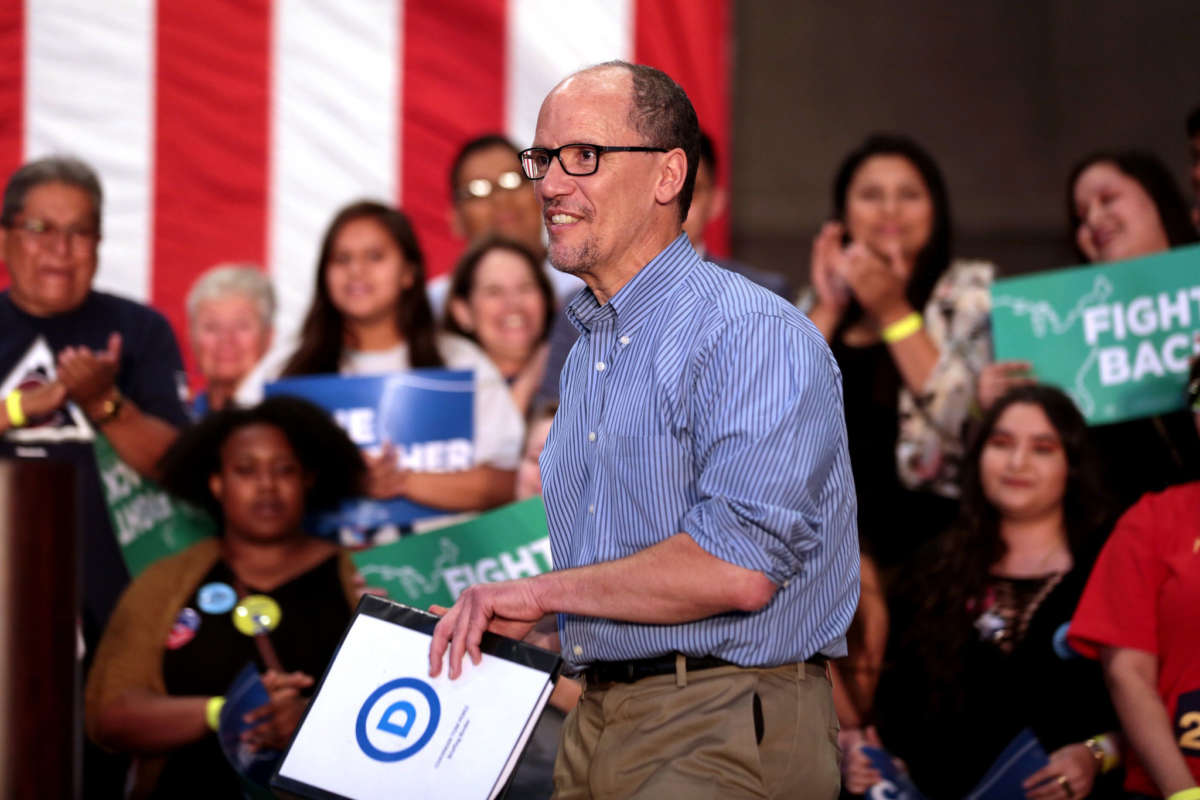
(398,719)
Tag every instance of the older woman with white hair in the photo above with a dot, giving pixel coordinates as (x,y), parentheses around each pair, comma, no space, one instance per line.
(230,311)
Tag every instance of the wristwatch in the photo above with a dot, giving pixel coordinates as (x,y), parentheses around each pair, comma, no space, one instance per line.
(110,408)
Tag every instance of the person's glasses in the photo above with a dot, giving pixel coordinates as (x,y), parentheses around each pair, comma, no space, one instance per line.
(46,234)
(575,159)
(482,187)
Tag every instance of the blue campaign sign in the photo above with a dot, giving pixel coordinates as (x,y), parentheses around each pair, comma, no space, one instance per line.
(893,784)
(1003,780)
(254,767)
(427,415)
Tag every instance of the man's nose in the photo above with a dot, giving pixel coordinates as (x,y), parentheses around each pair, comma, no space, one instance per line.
(556,181)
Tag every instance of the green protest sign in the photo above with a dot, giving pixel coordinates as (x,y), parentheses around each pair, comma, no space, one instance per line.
(434,567)
(148,522)
(1116,337)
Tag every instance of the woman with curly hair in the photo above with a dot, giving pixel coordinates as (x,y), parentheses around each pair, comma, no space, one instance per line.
(263,591)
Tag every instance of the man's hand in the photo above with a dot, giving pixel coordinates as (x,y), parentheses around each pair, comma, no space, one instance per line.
(89,377)
(278,718)
(510,608)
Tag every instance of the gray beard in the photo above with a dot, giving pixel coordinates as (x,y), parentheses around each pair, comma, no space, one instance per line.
(580,260)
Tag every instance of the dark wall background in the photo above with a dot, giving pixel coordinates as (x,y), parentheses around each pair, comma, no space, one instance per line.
(1007,96)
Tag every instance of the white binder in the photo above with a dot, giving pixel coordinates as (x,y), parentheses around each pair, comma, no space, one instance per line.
(379,727)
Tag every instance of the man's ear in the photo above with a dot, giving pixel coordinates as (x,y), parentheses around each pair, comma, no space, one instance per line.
(462,314)
(671,176)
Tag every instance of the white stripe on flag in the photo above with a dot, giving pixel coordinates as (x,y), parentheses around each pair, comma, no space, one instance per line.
(89,92)
(333,130)
(548,40)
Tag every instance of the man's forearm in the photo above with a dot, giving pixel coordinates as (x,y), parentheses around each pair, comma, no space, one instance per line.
(139,438)
(671,582)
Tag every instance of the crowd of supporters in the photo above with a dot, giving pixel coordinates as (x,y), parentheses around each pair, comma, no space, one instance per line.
(1019,569)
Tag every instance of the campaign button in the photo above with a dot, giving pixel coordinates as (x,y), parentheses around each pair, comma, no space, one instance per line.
(256,614)
(187,622)
(216,598)
(1062,648)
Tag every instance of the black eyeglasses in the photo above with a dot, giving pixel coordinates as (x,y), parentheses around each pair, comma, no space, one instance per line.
(576,159)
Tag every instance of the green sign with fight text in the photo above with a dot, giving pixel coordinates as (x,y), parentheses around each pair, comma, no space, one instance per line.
(148,522)
(1118,338)
(434,567)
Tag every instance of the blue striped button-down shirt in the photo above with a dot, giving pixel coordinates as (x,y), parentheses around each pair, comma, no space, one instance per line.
(696,401)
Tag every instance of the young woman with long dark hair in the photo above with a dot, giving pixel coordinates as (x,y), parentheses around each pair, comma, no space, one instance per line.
(908,326)
(370,315)
(979,648)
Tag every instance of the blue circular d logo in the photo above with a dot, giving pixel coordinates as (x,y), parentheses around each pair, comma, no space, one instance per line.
(398,719)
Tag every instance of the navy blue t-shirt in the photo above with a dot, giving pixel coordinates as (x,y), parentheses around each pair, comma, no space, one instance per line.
(150,374)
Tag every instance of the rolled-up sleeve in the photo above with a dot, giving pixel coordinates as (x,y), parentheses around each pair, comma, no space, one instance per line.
(770,447)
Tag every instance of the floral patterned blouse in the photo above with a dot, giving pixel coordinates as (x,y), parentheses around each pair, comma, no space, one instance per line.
(934,422)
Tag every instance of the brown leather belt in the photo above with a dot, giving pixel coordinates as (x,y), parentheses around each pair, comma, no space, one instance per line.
(632,671)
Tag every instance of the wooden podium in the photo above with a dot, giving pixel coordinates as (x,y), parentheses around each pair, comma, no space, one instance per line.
(39,597)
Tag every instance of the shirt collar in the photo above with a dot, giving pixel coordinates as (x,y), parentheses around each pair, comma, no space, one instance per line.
(638,298)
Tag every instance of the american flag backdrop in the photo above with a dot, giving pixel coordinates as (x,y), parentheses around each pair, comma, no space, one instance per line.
(231,130)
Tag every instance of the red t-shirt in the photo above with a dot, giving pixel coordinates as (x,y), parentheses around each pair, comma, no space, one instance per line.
(1144,594)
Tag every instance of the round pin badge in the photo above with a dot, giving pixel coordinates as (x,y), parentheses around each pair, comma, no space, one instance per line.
(187,622)
(1062,648)
(256,614)
(216,598)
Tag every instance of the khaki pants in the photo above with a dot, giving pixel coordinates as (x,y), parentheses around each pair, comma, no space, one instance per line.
(695,735)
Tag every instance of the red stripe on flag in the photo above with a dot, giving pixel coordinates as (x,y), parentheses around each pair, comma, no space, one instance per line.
(212,123)
(453,90)
(690,41)
(12,93)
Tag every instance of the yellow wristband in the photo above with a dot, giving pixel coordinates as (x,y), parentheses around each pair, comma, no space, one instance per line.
(902,328)
(212,712)
(1186,794)
(12,403)
(1105,751)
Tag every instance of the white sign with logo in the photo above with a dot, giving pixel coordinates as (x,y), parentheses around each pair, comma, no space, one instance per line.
(379,723)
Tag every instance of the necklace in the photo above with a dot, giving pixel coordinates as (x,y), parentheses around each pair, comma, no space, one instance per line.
(1004,623)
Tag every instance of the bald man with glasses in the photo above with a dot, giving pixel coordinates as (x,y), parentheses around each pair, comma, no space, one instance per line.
(696,480)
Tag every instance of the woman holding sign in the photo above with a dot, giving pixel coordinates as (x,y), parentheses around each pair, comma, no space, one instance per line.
(980,648)
(264,593)
(370,316)
(1123,205)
